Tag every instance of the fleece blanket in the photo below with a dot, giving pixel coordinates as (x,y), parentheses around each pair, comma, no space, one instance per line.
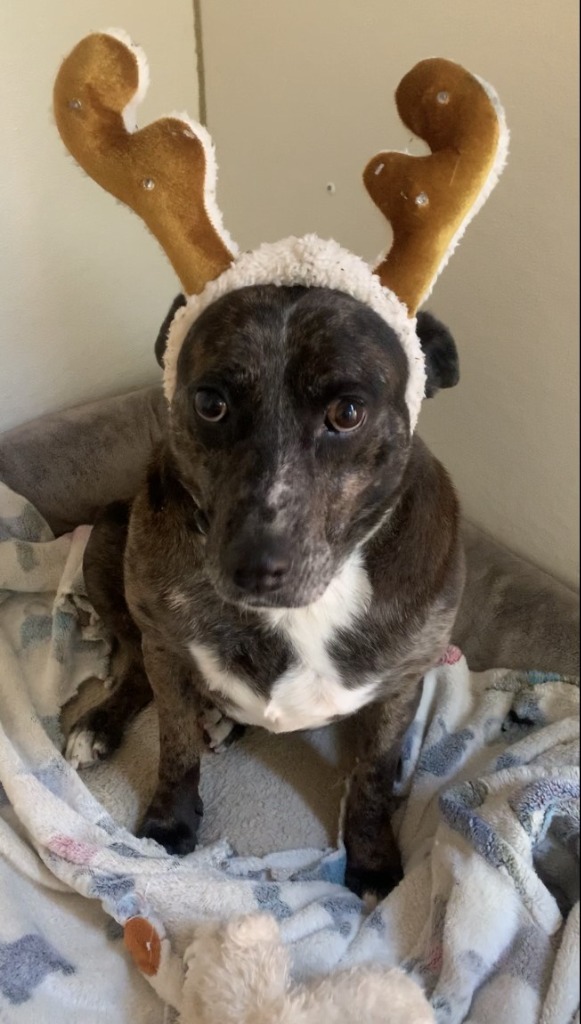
(486,918)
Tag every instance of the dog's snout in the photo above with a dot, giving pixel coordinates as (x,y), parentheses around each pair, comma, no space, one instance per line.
(260,568)
(263,574)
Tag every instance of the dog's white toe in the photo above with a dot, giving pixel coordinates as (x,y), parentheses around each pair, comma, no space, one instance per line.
(84,748)
(217,728)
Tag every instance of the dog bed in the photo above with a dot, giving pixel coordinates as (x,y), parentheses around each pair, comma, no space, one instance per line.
(487,917)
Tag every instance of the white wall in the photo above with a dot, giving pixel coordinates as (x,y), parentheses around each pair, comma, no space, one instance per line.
(299,94)
(83,287)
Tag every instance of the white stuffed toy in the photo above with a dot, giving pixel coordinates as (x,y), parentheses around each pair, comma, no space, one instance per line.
(239,973)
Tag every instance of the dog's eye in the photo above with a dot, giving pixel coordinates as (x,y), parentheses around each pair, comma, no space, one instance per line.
(345,414)
(210,405)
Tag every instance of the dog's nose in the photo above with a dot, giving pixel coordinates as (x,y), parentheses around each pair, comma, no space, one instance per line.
(261,571)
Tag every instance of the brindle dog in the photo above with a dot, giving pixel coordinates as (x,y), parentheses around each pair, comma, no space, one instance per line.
(293,555)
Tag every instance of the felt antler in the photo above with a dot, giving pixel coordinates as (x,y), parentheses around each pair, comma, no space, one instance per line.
(165,172)
(429,200)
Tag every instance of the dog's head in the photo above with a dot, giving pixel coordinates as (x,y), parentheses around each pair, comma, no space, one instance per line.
(295,374)
(290,430)
(292,406)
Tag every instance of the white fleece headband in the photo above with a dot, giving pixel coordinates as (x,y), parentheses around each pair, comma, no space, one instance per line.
(166,172)
(314,263)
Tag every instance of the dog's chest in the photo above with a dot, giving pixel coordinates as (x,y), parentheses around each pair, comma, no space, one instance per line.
(310,692)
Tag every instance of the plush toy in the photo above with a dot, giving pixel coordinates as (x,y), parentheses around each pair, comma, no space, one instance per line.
(166,172)
(238,973)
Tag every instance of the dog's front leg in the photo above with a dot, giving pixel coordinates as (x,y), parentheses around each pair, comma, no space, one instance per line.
(373,859)
(174,815)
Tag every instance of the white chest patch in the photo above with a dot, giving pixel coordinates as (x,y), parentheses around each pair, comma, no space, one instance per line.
(311,692)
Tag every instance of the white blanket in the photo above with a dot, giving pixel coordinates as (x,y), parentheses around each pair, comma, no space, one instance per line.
(487,917)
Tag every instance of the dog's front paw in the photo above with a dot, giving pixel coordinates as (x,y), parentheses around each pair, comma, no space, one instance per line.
(175,813)
(366,882)
(176,837)
(219,731)
(174,824)
(87,743)
(373,860)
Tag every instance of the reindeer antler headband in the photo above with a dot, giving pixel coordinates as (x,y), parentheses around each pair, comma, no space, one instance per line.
(166,172)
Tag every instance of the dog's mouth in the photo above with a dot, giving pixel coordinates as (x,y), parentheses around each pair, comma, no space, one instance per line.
(264,582)
(285,598)
(250,596)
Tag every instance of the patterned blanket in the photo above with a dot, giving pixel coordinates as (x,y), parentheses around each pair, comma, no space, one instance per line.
(487,917)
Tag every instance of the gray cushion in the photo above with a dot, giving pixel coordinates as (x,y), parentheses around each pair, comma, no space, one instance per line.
(71,464)
(513,615)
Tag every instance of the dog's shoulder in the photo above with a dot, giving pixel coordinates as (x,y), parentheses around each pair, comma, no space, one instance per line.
(163,534)
(162,498)
(417,549)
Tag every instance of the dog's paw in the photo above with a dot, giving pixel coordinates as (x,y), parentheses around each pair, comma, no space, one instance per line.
(219,730)
(371,884)
(86,746)
(177,837)
(96,735)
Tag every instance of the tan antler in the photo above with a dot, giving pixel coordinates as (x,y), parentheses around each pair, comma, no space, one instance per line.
(165,172)
(429,200)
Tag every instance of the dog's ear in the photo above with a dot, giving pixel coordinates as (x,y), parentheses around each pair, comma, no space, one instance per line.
(439,348)
(161,340)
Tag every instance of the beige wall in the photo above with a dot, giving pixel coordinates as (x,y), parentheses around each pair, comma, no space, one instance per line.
(299,94)
(83,288)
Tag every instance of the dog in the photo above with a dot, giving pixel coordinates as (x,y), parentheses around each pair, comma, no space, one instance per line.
(292,558)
